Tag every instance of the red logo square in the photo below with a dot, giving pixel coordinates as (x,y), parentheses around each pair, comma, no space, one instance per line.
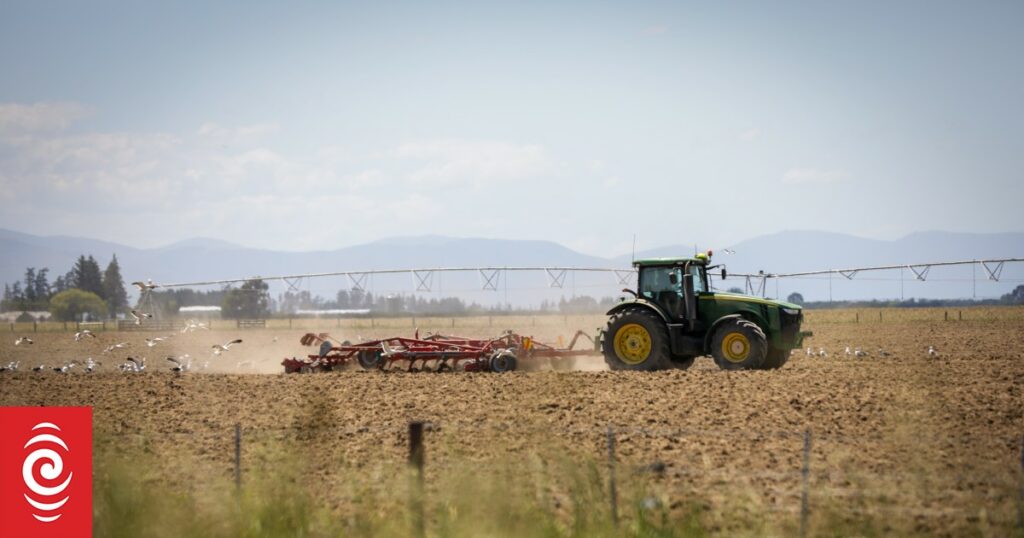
(45,472)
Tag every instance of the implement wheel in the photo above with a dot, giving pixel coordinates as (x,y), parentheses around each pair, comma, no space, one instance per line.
(636,339)
(739,344)
(369,358)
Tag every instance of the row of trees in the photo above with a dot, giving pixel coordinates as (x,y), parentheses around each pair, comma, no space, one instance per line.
(1015,297)
(84,289)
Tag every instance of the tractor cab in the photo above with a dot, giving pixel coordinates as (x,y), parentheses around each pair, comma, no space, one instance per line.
(674,285)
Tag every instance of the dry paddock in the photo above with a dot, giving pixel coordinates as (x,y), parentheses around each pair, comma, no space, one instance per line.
(910,443)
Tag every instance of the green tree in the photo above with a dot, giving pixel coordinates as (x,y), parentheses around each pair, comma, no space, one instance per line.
(113,287)
(69,305)
(30,284)
(42,285)
(250,301)
(86,276)
(795,298)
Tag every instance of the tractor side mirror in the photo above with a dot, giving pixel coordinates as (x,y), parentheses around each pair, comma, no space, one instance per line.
(723,273)
(673,278)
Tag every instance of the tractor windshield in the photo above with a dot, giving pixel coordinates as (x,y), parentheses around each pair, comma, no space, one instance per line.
(699,282)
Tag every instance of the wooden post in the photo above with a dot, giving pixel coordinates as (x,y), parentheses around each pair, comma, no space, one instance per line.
(946,315)
(961,312)
(289,323)
(35,326)
(805,472)
(613,495)
(879,315)
(416,460)
(857,320)
(238,456)
(453,323)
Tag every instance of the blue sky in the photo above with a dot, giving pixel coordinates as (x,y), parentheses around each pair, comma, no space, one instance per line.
(318,125)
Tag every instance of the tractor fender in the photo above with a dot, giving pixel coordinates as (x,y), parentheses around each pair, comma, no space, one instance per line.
(718,322)
(639,302)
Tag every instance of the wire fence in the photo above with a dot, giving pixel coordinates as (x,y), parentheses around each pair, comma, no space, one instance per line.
(807,470)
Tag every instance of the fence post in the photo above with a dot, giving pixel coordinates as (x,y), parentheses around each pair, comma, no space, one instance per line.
(879,315)
(238,456)
(35,327)
(946,315)
(453,323)
(613,493)
(858,317)
(416,457)
(805,472)
(961,312)
(1020,500)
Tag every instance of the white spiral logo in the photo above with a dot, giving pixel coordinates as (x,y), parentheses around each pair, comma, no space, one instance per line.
(50,471)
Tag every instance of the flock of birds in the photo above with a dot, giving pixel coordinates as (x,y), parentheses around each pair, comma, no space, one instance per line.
(179,364)
(857,352)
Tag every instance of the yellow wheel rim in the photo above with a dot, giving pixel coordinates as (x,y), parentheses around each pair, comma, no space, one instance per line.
(632,343)
(735,347)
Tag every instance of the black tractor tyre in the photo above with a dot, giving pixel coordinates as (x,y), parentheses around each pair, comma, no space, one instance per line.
(369,358)
(747,344)
(658,357)
(775,359)
(683,362)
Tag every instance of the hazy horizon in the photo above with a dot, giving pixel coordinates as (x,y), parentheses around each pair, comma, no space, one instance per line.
(309,126)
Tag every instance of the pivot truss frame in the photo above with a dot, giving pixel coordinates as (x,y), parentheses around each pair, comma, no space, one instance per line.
(755,283)
(424,280)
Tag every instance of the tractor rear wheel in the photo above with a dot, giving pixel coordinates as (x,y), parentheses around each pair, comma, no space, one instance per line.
(503,362)
(775,359)
(739,344)
(636,339)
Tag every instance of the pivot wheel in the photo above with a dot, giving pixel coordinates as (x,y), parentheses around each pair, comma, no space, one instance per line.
(739,344)
(636,339)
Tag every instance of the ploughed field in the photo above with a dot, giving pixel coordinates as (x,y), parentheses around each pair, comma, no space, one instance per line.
(901,444)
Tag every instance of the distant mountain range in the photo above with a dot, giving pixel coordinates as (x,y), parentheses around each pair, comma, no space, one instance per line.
(211,259)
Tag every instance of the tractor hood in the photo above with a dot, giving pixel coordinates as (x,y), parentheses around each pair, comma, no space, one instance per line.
(726,296)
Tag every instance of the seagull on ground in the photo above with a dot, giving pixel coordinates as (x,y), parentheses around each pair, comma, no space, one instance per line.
(139,316)
(138,364)
(822,353)
(23,340)
(181,364)
(39,368)
(84,333)
(932,352)
(90,365)
(859,353)
(11,367)
(221,348)
(64,369)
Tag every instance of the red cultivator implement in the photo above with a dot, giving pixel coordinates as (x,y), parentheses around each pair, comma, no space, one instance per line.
(433,353)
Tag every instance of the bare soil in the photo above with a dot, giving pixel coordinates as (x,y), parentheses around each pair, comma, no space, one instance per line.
(914,443)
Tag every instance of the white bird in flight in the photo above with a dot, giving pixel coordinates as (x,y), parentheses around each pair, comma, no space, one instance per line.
(145,286)
(220,348)
(119,345)
(23,340)
(150,342)
(139,316)
(84,333)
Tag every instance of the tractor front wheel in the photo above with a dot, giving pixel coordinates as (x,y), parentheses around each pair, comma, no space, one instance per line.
(739,344)
(775,359)
(636,339)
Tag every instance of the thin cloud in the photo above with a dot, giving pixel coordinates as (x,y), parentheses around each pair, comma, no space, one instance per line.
(39,117)
(656,29)
(813,176)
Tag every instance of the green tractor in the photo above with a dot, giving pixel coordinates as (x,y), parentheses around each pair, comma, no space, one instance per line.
(674,317)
